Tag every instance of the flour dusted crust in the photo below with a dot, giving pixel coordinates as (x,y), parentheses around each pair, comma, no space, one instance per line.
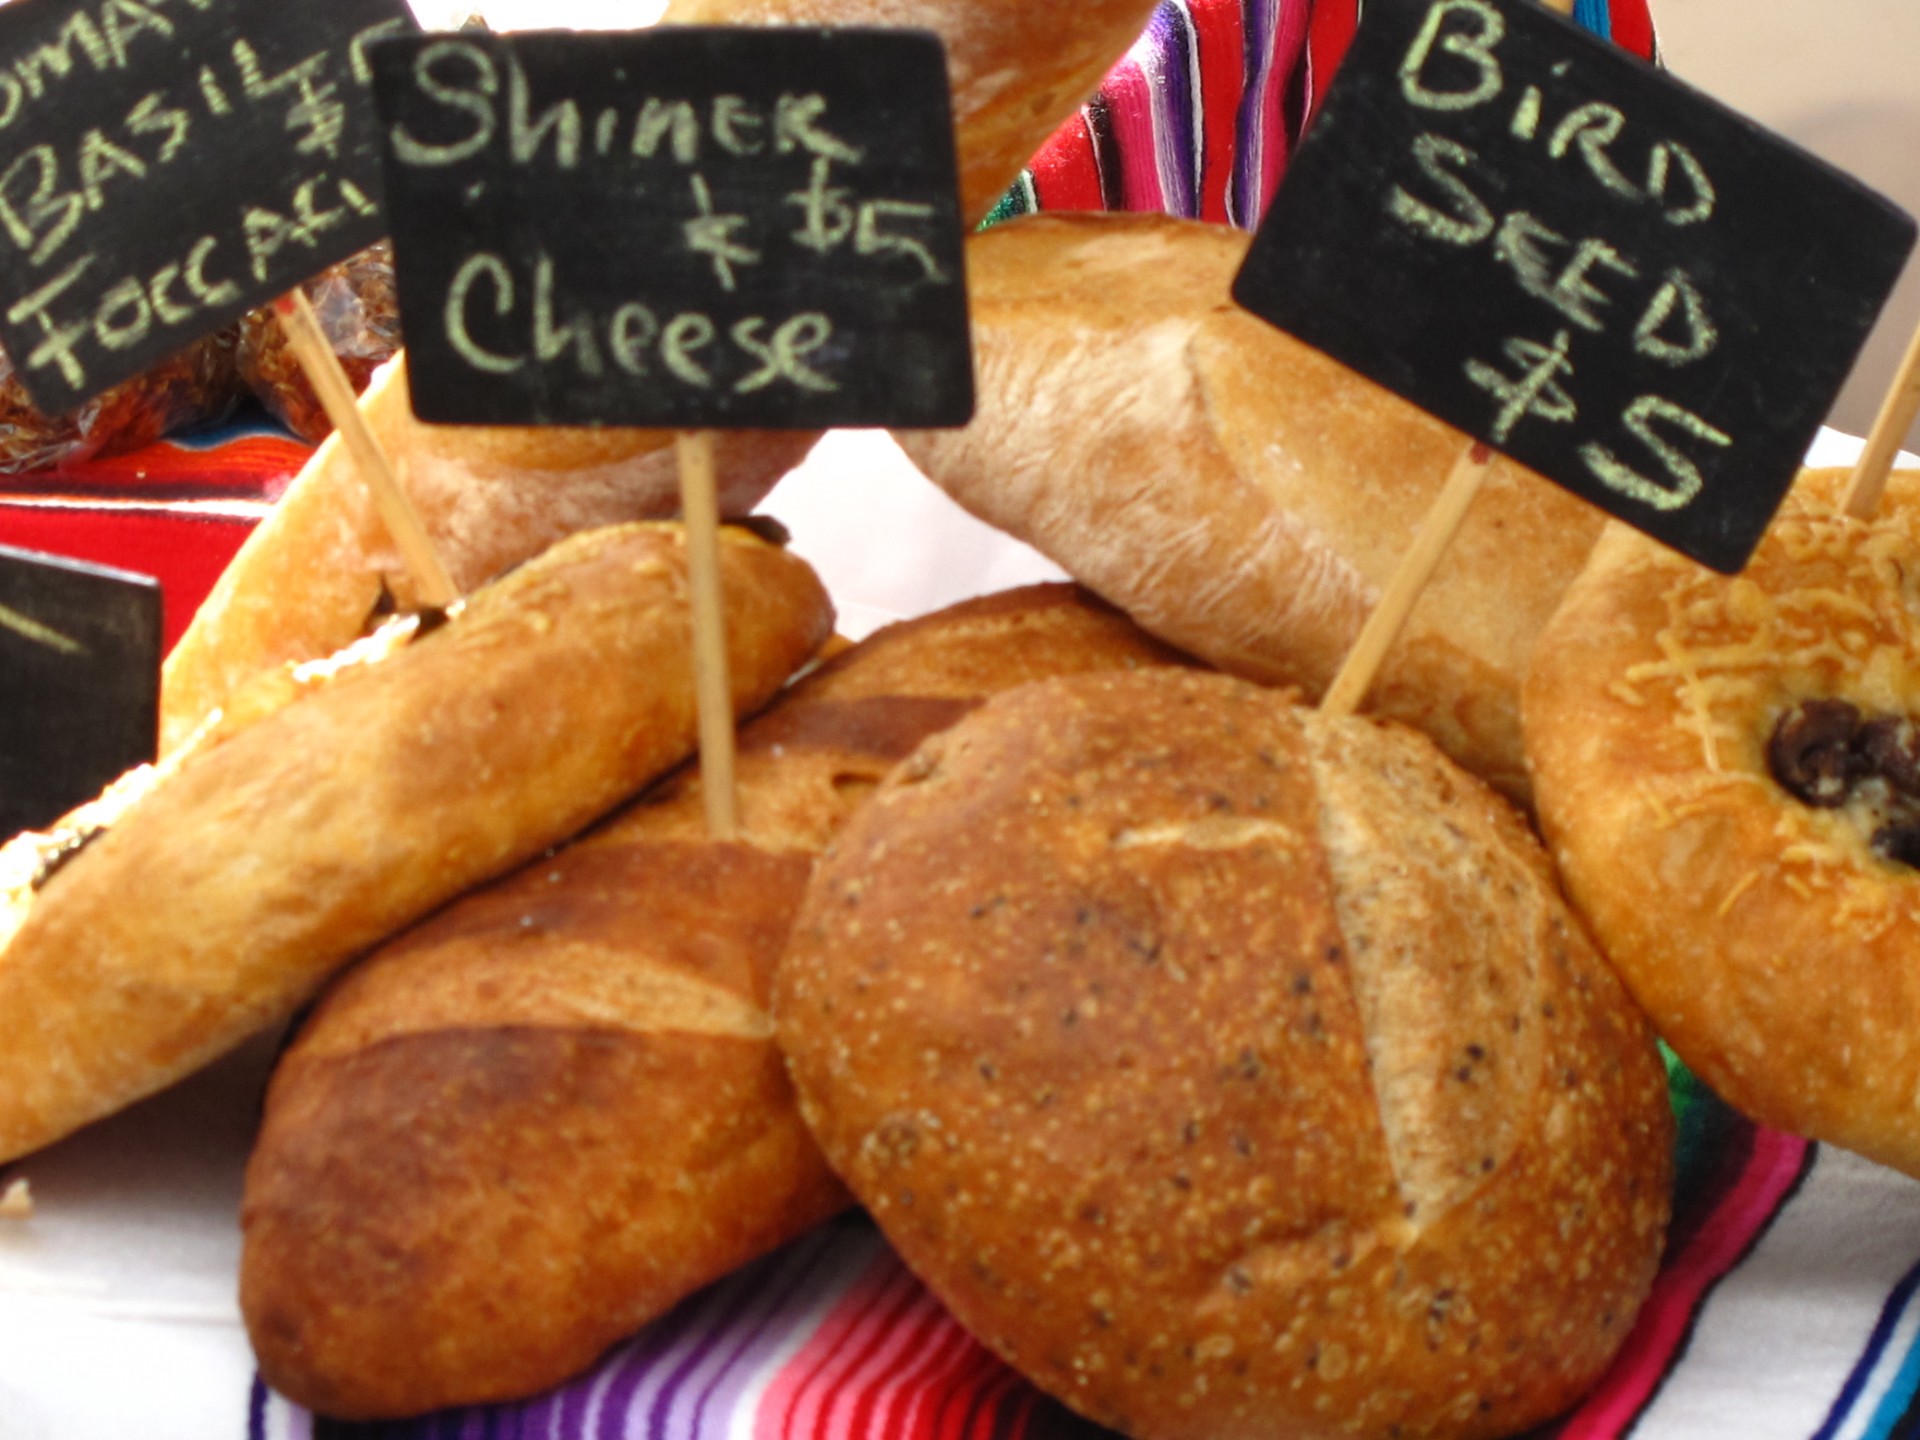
(268,856)
(559,1097)
(321,569)
(1774,950)
(1239,494)
(1017,69)
(1231,1071)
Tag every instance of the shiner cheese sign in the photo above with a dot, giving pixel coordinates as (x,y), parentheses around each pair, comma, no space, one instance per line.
(1602,273)
(166,165)
(688,226)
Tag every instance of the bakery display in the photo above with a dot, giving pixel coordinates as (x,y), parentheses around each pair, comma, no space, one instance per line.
(1239,494)
(1226,1069)
(1231,1070)
(559,1097)
(1725,770)
(327,813)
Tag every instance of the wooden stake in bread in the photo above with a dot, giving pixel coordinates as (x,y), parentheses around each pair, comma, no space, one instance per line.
(1234,1071)
(520,1131)
(1236,492)
(321,569)
(261,860)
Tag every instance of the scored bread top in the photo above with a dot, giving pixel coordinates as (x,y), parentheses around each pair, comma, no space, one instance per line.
(1229,1070)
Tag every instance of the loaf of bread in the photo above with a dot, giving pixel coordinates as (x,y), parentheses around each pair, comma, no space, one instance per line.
(521,1130)
(1726,770)
(271,853)
(1017,69)
(1240,494)
(1231,1070)
(321,569)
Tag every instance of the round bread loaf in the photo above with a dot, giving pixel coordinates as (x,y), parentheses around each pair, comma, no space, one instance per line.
(1230,1070)
(1727,771)
(1238,493)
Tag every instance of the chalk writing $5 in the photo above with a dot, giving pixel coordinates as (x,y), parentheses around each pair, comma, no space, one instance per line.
(714,188)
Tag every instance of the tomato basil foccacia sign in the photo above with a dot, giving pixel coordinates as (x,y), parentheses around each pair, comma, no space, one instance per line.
(1604,274)
(166,165)
(680,227)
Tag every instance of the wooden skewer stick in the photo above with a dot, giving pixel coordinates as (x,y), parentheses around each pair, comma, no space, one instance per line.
(322,367)
(1383,626)
(1897,413)
(700,506)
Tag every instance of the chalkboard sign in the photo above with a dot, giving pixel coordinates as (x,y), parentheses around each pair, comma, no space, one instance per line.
(1601,272)
(167,165)
(685,227)
(79,682)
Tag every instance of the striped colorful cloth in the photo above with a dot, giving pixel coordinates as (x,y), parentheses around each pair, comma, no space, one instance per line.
(1200,117)
(1786,1308)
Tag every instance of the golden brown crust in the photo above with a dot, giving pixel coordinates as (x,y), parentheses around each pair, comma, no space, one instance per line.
(275,853)
(401,1260)
(1017,69)
(1772,947)
(1204,1110)
(506,1146)
(316,572)
(1239,494)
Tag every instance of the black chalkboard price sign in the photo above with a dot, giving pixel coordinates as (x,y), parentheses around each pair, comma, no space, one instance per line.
(79,682)
(169,164)
(1599,271)
(683,227)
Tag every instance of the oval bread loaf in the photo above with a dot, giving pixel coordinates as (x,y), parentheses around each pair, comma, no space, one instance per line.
(1230,1070)
(1236,492)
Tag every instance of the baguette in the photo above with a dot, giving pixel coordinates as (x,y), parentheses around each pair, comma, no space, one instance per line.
(1233,1071)
(263,858)
(523,1129)
(1237,493)
(321,569)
